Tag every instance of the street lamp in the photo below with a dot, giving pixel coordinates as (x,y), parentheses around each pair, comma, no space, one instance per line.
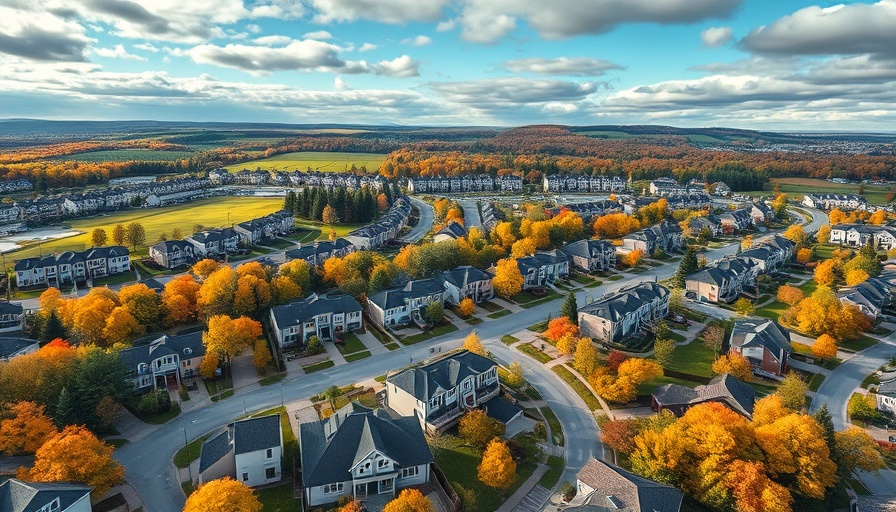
(190,463)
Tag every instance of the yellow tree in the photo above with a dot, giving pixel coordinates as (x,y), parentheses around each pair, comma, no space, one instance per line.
(179,300)
(474,344)
(503,235)
(261,355)
(804,255)
(836,216)
(142,303)
(790,295)
(75,455)
(204,268)
(409,500)
(90,314)
(856,276)
(754,491)
(252,295)
(796,233)
(209,364)
(98,237)
(878,217)
(299,272)
(795,450)
(825,347)
(522,248)
(329,215)
(223,495)
(824,234)
(497,469)
(825,273)
(466,308)
(477,429)
(567,344)
(735,365)
(216,295)
(228,337)
(508,280)
(855,449)
(50,300)
(284,290)
(633,258)
(515,376)
(121,327)
(26,429)
(585,360)
(252,268)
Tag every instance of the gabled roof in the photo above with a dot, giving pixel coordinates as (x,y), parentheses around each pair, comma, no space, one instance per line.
(186,346)
(167,246)
(588,248)
(616,305)
(8,308)
(540,259)
(10,346)
(754,332)
(734,393)
(19,496)
(625,491)
(296,312)
(453,229)
(397,297)
(254,434)
(331,447)
(424,381)
(462,276)
(214,449)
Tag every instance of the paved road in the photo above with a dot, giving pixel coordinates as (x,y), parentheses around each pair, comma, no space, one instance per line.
(427,216)
(471,213)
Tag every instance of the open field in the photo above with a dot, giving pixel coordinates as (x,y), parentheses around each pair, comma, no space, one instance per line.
(124,155)
(316,160)
(210,213)
(875,194)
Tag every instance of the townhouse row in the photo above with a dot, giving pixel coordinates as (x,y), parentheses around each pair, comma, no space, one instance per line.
(466,183)
(297,178)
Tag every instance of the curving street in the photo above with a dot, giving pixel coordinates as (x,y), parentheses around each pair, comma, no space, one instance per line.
(148,460)
(427,217)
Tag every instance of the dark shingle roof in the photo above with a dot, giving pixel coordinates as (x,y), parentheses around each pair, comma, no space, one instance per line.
(299,311)
(461,276)
(256,434)
(754,332)
(19,496)
(9,346)
(423,381)
(627,491)
(396,297)
(330,448)
(453,229)
(734,393)
(501,409)
(214,449)
(8,308)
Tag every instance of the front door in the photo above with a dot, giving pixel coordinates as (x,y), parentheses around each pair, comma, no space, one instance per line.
(360,491)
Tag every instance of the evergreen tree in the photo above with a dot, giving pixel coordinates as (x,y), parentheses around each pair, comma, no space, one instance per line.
(687,266)
(823,417)
(570,309)
(305,203)
(53,328)
(317,208)
(66,412)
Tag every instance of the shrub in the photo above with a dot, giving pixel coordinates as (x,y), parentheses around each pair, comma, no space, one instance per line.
(540,431)
(314,346)
(153,402)
(568,491)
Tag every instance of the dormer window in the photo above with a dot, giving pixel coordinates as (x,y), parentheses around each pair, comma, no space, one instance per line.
(142,368)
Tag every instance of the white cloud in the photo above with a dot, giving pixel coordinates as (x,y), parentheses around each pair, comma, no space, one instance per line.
(262,60)
(716,36)
(396,12)
(42,36)
(253,28)
(118,52)
(402,67)
(420,40)
(366,47)
(512,91)
(445,26)
(486,21)
(146,47)
(577,66)
(840,30)
(273,40)
(319,35)
(340,85)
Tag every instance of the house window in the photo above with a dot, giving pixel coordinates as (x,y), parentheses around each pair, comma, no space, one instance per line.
(333,488)
(245,477)
(409,472)
(270,473)
(382,463)
(270,453)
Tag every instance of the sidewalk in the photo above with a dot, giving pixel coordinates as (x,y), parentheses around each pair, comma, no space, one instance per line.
(511,504)
(372,344)
(333,352)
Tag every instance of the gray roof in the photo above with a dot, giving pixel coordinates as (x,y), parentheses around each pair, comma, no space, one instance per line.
(501,409)
(331,447)
(737,395)
(255,434)
(167,246)
(615,305)
(540,259)
(462,276)
(214,449)
(9,346)
(588,248)
(19,496)
(8,308)
(296,312)
(396,297)
(423,381)
(69,257)
(186,346)
(760,332)
(626,491)
(453,229)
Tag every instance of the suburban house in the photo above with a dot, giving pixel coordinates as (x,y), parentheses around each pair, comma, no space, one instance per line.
(831,201)
(666,187)
(858,235)
(724,389)
(886,396)
(316,253)
(543,268)
(711,222)
(668,235)
(720,189)
(736,220)
(766,258)
(323,316)
(466,282)
(601,486)
(163,363)
(19,496)
(591,255)
(781,245)
(12,317)
(173,253)
(641,240)
(764,343)
(386,228)
(400,306)
(13,347)
(620,314)
(437,394)
(572,183)
(248,450)
(722,280)
(761,213)
(71,267)
(269,226)
(214,242)
(361,453)
(452,231)
(870,296)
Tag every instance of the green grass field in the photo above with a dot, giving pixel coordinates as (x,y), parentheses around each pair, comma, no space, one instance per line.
(125,155)
(801,186)
(210,213)
(321,161)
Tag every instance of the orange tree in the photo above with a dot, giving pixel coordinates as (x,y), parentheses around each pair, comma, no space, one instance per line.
(223,495)
(497,468)
(26,430)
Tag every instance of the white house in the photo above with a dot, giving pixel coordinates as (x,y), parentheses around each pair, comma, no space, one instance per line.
(173,253)
(620,314)
(361,453)
(591,255)
(71,266)
(466,282)
(439,393)
(321,316)
(543,268)
(400,306)
(163,362)
(19,496)
(886,396)
(249,450)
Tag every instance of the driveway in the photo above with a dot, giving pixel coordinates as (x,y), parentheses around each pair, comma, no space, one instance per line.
(471,213)
(424,225)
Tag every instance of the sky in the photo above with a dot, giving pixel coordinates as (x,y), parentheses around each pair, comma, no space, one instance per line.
(753,64)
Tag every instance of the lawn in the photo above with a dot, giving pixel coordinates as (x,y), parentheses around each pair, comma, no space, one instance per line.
(316,160)
(306,234)
(357,355)
(459,463)
(509,340)
(528,300)
(189,453)
(499,314)
(578,386)
(858,344)
(212,212)
(534,353)
(324,230)
(125,155)
(772,310)
(423,336)
(350,344)
(554,423)
(278,499)
(694,358)
(554,472)
(490,306)
(126,277)
(272,379)
(316,367)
